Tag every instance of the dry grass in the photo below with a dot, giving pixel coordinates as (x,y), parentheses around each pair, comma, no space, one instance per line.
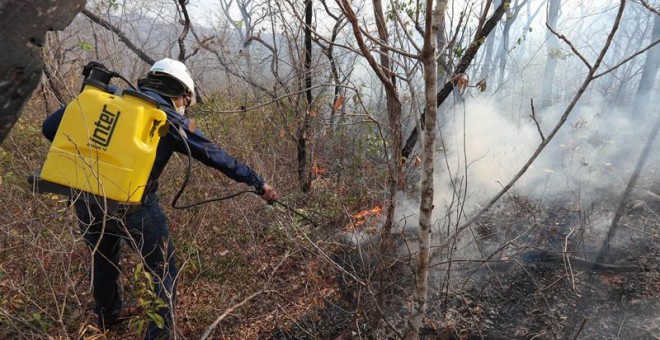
(225,251)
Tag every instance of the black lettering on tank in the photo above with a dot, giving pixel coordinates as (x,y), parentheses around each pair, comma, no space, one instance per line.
(105,127)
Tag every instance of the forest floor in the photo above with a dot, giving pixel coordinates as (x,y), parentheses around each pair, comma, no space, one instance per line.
(539,277)
(528,269)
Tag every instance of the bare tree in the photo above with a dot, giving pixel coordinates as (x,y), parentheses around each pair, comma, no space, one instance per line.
(433,19)
(383,70)
(245,28)
(304,173)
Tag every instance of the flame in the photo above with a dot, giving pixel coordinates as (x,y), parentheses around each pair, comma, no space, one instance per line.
(364,216)
(318,170)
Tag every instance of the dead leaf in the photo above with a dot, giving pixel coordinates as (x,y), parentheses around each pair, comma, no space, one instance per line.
(462,82)
(482,85)
(338,103)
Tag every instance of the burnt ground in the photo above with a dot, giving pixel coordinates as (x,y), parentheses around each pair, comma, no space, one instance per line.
(541,273)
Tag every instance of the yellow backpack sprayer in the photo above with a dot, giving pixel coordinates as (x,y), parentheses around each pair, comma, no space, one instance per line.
(105,144)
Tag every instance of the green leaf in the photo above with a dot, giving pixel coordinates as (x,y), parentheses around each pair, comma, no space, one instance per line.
(2,275)
(156,319)
(136,272)
(85,46)
(140,326)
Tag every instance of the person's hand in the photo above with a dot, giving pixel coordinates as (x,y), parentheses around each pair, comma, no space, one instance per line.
(268,193)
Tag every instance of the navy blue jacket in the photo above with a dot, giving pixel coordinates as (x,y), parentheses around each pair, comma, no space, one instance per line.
(201,148)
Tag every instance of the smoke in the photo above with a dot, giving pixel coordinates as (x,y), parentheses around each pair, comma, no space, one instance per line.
(482,145)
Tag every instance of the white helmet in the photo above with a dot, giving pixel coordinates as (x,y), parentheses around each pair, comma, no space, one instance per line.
(177,70)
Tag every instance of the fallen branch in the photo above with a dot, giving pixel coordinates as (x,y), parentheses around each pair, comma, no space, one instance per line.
(215,323)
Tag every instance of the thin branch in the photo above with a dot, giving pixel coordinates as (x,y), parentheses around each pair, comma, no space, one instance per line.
(626,60)
(357,32)
(564,39)
(229,310)
(538,127)
(275,99)
(411,39)
(186,28)
(246,300)
(650,8)
(122,37)
(471,52)
(226,65)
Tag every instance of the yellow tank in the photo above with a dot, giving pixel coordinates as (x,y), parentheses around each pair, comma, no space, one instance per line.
(105,145)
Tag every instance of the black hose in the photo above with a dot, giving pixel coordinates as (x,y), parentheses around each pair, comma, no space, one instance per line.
(186,178)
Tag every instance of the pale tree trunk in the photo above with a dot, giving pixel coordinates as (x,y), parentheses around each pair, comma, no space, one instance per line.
(22,33)
(434,19)
(487,65)
(394,117)
(244,28)
(552,48)
(644,96)
(511,16)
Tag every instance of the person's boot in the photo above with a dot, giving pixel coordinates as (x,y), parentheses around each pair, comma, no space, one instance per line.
(126,312)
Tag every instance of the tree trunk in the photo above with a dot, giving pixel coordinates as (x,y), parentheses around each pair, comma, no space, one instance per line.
(24,25)
(303,131)
(394,118)
(511,16)
(433,20)
(462,66)
(644,96)
(551,62)
(487,65)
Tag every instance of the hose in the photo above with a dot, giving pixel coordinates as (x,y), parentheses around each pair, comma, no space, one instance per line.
(186,178)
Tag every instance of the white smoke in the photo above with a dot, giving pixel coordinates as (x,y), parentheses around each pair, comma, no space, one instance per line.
(485,145)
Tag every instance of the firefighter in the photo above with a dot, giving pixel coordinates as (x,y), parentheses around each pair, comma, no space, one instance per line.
(145,226)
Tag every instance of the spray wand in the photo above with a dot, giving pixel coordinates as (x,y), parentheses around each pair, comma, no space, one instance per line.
(258,192)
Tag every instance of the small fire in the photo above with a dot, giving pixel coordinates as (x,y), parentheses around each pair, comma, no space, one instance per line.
(364,216)
(317,170)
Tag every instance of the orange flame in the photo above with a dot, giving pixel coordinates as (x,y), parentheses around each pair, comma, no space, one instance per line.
(318,170)
(363,216)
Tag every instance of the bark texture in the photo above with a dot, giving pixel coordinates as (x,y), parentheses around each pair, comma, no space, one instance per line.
(428,59)
(644,96)
(23,26)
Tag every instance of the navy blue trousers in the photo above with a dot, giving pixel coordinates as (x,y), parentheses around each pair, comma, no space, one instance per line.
(143,228)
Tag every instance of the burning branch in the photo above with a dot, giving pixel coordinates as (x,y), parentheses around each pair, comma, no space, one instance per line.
(359,219)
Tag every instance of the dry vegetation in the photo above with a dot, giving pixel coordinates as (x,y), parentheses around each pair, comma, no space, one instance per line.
(252,271)
(262,272)
(231,251)
(524,270)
